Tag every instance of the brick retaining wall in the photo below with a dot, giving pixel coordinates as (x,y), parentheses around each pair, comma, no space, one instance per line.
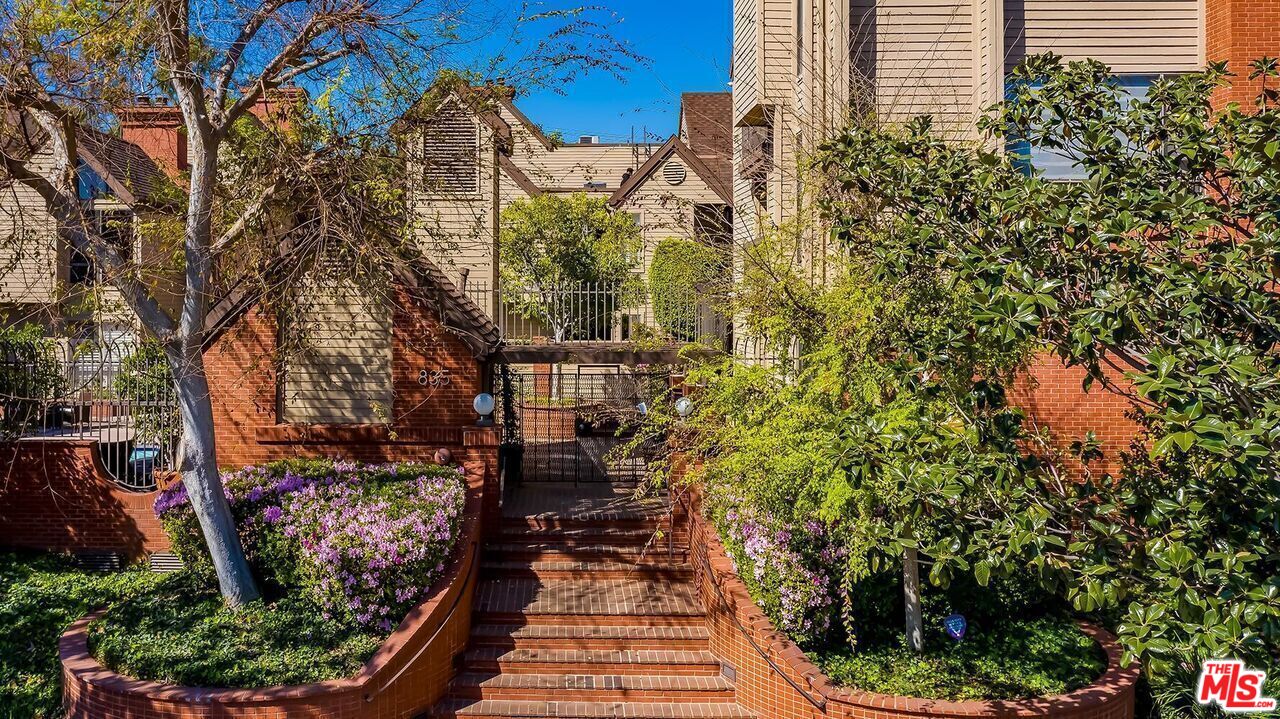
(407,675)
(56,495)
(785,685)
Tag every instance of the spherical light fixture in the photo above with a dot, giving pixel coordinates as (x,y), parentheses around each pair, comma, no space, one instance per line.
(684,406)
(483,404)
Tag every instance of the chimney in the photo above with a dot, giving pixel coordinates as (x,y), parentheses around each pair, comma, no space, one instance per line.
(275,105)
(155,125)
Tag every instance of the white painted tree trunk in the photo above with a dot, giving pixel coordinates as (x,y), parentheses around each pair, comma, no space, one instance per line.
(199,468)
(911,595)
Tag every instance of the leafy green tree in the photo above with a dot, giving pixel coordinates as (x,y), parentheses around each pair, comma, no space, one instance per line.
(1162,261)
(30,377)
(567,261)
(684,277)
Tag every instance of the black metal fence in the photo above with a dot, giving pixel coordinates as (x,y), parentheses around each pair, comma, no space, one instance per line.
(563,423)
(119,394)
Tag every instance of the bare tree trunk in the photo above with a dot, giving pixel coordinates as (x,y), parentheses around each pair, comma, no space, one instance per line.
(199,469)
(911,595)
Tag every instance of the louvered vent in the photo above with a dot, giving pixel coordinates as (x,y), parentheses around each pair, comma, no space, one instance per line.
(165,562)
(673,172)
(450,152)
(100,561)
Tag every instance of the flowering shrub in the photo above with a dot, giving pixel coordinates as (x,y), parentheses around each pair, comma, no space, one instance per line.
(365,542)
(779,569)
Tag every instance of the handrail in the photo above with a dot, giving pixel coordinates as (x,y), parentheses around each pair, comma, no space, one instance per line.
(706,564)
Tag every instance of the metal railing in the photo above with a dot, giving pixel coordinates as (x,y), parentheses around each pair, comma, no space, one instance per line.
(599,312)
(119,394)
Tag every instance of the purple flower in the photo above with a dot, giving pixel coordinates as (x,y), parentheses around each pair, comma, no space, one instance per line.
(272,514)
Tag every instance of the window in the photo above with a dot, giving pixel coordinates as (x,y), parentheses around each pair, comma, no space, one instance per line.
(1058,165)
(116,229)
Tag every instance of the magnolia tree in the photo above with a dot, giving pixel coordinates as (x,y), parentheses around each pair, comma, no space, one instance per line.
(256,195)
(1160,262)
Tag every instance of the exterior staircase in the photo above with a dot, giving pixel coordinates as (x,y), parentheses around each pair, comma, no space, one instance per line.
(583,610)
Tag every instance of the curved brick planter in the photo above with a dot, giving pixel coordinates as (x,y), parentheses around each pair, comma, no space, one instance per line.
(787,685)
(407,674)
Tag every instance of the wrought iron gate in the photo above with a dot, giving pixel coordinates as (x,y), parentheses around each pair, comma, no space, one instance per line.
(565,423)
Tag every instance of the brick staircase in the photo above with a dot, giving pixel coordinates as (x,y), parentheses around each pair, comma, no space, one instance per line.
(582,612)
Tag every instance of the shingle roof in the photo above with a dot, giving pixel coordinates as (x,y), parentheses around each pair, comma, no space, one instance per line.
(421,278)
(130,173)
(707,121)
(673,146)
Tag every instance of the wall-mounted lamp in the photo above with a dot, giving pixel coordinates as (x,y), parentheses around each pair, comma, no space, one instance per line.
(483,405)
(684,407)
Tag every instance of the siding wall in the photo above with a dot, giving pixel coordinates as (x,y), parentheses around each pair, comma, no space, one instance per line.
(747,58)
(29,244)
(1132,36)
(458,229)
(920,57)
(341,373)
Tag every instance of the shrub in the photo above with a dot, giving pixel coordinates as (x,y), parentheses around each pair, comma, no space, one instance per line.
(144,380)
(30,375)
(682,275)
(40,596)
(361,541)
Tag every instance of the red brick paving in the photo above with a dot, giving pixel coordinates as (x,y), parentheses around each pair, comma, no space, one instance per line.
(586,608)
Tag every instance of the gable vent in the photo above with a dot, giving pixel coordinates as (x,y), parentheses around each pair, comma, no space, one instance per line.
(674,173)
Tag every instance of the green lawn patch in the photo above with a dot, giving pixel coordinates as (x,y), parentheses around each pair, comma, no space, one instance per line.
(40,596)
(1017,659)
(182,633)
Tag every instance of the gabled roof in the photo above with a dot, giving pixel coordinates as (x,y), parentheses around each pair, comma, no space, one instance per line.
(673,146)
(706,120)
(518,176)
(130,173)
(421,278)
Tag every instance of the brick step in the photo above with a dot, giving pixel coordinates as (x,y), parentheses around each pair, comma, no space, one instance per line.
(503,709)
(586,601)
(569,636)
(593,534)
(539,550)
(592,687)
(655,662)
(568,569)
(651,523)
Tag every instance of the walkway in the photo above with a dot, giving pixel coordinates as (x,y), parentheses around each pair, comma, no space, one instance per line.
(585,610)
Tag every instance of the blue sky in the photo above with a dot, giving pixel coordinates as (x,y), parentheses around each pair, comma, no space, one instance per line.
(688,45)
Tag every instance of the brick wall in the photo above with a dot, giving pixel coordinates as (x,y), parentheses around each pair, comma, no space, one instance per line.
(1239,31)
(1053,397)
(56,495)
(435,379)
(773,678)
(405,677)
